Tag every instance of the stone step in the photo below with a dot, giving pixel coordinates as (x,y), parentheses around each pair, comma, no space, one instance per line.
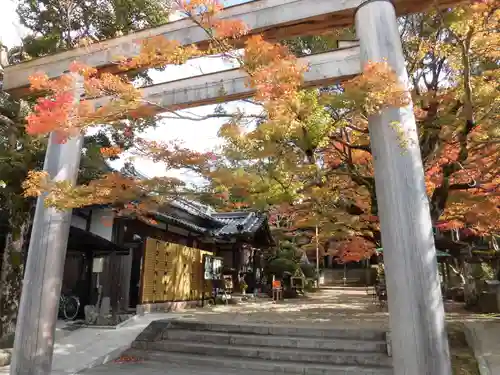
(225,338)
(268,367)
(277,330)
(270,353)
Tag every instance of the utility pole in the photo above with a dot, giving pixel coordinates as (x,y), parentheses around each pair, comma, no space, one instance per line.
(419,341)
(317,255)
(34,340)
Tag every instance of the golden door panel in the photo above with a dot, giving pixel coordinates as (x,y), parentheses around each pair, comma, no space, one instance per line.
(172,272)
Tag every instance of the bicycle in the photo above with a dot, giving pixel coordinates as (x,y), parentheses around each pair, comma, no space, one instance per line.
(219,292)
(69,306)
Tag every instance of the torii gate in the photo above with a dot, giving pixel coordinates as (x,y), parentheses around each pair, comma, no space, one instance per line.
(419,343)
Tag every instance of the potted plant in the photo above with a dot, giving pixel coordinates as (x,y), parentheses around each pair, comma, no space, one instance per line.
(244,287)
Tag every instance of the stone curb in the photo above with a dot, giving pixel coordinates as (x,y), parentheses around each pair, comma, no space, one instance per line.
(102,360)
(474,344)
(118,326)
(108,357)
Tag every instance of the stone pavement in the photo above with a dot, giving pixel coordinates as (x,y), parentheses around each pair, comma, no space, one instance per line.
(87,347)
(353,307)
(332,307)
(153,368)
(484,337)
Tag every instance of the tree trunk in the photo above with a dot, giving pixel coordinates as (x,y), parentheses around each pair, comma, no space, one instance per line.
(11,275)
(471,292)
(457,270)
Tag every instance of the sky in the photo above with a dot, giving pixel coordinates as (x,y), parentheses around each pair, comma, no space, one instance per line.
(197,135)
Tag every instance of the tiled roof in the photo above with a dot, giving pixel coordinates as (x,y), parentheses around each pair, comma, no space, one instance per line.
(225,223)
(230,223)
(238,222)
(194,208)
(185,223)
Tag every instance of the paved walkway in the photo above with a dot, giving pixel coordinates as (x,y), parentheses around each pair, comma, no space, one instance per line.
(484,338)
(151,368)
(77,350)
(332,307)
(353,307)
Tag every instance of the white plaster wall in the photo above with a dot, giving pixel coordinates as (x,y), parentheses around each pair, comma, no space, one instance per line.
(78,222)
(101,223)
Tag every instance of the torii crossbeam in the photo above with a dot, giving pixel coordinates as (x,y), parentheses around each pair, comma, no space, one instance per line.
(275,19)
(220,87)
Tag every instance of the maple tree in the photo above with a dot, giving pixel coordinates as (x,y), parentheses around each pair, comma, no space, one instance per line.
(309,153)
(462,154)
(19,153)
(54,25)
(275,75)
(454,68)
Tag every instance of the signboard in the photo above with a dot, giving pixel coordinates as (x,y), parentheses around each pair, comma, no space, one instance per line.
(97,265)
(208,267)
(297,282)
(212,267)
(276,284)
(217,268)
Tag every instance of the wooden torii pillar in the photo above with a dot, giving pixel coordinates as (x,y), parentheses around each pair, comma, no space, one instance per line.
(419,340)
(38,310)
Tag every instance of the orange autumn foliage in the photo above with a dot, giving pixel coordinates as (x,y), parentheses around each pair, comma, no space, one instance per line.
(205,12)
(159,51)
(230,29)
(273,72)
(172,155)
(59,112)
(200,8)
(377,87)
(113,188)
(51,114)
(109,152)
(82,69)
(474,198)
(354,249)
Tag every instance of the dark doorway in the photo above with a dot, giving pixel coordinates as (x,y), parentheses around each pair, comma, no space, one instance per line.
(135,277)
(76,280)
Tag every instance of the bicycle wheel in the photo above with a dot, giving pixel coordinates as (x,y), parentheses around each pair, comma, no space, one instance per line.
(60,311)
(71,307)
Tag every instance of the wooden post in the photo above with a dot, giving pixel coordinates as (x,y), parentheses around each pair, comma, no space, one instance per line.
(125,275)
(419,341)
(447,272)
(34,340)
(317,256)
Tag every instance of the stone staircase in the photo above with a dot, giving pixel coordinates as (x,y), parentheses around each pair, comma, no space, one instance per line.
(264,348)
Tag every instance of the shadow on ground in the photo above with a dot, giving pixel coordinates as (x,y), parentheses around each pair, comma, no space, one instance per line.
(331,306)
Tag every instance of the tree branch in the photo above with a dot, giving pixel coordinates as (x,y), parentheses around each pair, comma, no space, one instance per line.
(5,121)
(366,148)
(193,117)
